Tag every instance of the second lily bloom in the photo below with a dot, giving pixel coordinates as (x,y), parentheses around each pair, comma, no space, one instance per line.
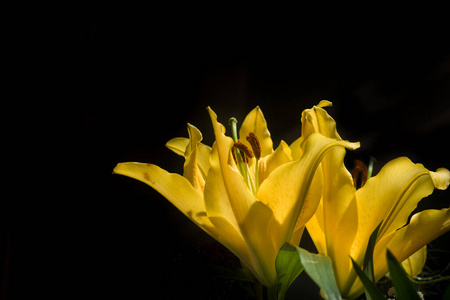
(346,217)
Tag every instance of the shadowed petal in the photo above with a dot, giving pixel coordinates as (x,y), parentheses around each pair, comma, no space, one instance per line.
(423,228)
(413,265)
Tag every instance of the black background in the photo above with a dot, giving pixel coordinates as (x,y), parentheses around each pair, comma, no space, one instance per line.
(114,84)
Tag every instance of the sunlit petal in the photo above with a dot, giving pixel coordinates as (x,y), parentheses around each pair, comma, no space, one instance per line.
(256,123)
(390,197)
(286,188)
(191,169)
(178,145)
(296,150)
(175,188)
(241,199)
(441,178)
(277,158)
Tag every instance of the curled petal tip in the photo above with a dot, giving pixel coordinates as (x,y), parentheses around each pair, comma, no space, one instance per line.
(325,103)
(441,178)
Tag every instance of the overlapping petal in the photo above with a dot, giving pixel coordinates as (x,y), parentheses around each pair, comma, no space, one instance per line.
(390,197)
(269,163)
(179,146)
(344,221)
(304,184)
(414,264)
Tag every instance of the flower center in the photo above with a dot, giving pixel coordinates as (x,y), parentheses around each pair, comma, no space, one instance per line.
(242,156)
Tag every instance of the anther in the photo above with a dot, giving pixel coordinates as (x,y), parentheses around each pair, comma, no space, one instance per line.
(359,171)
(254,142)
(243,149)
(233,151)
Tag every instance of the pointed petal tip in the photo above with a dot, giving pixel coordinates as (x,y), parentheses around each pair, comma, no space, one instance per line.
(116,168)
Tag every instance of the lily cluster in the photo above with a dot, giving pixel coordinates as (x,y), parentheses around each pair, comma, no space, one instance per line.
(254,199)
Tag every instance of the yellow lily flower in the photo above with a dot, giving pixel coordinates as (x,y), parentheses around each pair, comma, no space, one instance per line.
(252,205)
(347,216)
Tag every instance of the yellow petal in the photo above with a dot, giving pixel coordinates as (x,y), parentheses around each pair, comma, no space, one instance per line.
(286,188)
(309,125)
(217,203)
(414,264)
(423,228)
(269,163)
(253,217)
(316,230)
(191,170)
(264,236)
(441,178)
(337,222)
(178,145)
(220,213)
(339,214)
(174,187)
(324,103)
(296,149)
(390,197)
(317,119)
(256,123)
(241,199)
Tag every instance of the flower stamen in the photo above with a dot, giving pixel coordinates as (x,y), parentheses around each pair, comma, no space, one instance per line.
(244,150)
(254,142)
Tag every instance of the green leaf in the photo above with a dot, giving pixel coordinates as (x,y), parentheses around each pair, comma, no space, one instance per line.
(372,292)
(320,270)
(368,258)
(288,267)
(402,284)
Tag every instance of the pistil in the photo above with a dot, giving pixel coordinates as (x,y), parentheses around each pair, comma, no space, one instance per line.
(242,154)
(234,134)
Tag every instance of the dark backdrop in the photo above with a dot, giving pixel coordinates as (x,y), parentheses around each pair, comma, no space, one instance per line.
(120,82)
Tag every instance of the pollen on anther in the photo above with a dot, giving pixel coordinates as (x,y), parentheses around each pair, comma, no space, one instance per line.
(244,149)
(254,142)
(359,172)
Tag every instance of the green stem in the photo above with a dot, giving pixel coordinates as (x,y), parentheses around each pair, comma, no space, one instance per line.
(234,134)
(431,280)
(370,167)
(233,124)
